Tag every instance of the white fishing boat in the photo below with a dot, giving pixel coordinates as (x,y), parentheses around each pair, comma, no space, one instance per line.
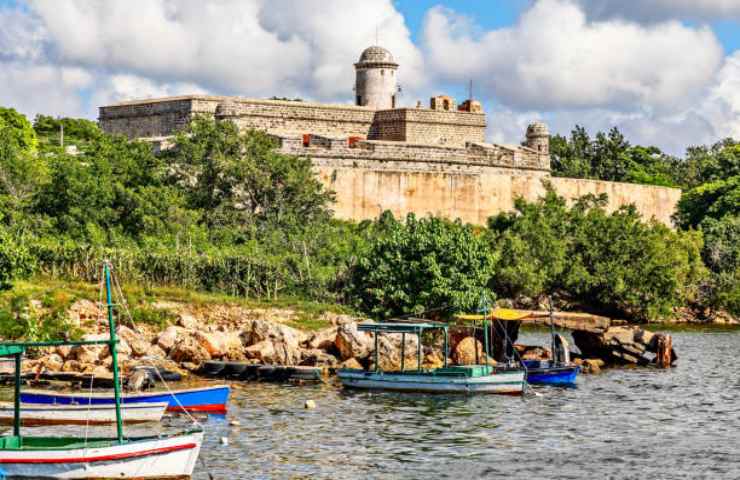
(448,379)
(36,415)
(167,456)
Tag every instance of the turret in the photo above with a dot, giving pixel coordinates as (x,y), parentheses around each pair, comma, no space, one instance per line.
(538,138)
(376,85)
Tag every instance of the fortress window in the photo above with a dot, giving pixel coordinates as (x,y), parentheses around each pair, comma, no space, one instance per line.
(382,73)
(359,100)
(446,104)
(393,101)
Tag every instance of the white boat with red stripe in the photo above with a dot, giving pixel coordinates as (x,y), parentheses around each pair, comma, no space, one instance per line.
(171,457)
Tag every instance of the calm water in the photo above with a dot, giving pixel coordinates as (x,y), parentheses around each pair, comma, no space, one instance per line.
(679,423)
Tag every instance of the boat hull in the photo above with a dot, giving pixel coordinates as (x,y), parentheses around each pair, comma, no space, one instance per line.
(36,415)
(207,399)
(503,382)
(171,457)
(542,373)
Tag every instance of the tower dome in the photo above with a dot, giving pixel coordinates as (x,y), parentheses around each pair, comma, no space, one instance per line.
(376,54)
(375,79)
(538,137)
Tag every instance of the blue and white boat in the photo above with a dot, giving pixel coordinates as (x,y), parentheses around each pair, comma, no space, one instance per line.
(210,399)
(546,372)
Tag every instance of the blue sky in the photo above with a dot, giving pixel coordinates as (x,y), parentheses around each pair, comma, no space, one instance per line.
(666,72)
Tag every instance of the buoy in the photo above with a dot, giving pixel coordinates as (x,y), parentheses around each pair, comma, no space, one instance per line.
(224,441)
(310,404)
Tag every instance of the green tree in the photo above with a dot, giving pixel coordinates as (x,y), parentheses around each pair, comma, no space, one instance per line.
(238,178)
(421,264)
(15,258)
(532,242)
(21,131)
(709,200)
(77,131)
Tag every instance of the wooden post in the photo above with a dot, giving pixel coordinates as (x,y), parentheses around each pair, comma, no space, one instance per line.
(664,354)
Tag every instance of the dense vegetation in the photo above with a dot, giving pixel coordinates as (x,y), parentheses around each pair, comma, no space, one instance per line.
(223,211)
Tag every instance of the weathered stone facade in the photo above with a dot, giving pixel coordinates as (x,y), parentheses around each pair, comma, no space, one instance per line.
(376,156)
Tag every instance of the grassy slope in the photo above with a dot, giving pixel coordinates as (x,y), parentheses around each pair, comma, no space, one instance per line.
(55,296)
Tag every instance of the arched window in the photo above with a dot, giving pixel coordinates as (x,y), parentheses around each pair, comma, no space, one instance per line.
(446,104)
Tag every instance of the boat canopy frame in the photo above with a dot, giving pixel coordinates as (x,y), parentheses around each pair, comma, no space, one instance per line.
(404,328)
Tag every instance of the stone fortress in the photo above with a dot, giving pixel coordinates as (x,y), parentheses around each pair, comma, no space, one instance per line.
(377,156)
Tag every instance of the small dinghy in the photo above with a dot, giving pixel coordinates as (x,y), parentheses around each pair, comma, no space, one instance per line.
(38,415)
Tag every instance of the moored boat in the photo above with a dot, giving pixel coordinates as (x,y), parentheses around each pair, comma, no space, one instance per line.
(211,399)
(448,379)
(35,415)
(546,372)
(167,456)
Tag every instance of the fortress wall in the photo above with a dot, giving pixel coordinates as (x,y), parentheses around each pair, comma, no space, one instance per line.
(151,118)
(420,125)
(163,117)
(651,201)
(472,194)
(382,155)
(286,118)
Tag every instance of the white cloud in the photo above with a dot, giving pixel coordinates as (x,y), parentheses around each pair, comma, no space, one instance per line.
(251,48)
(554,58)
(109,51)
(658,10)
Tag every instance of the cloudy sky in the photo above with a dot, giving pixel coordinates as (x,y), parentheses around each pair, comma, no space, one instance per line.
(667,72)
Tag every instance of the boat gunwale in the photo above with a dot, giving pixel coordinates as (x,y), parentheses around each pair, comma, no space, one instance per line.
(99,395)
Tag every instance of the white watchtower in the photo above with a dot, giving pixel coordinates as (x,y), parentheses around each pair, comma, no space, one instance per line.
(375,79)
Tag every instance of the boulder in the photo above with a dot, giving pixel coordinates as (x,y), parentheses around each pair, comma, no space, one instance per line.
(318,358)
(101,372)
(592,365)
(220,344)
(263,351)
(351,363)
(464,352)
(187,321)
(53,362)
(433,360)
(71,366)
(535,353)
(86,354)
(258,330)
(63,351)
(167,339)
(351,343)
(84,311)
(188,349)
(323,339)
(138,343)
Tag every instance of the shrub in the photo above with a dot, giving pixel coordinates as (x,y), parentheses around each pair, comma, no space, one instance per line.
(421,264)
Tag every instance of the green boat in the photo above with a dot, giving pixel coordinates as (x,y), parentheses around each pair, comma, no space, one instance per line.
(447,379)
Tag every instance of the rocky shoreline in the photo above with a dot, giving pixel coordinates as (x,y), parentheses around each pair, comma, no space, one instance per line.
(262,337)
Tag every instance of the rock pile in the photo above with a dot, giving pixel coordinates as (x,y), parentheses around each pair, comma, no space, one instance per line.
(626,345)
